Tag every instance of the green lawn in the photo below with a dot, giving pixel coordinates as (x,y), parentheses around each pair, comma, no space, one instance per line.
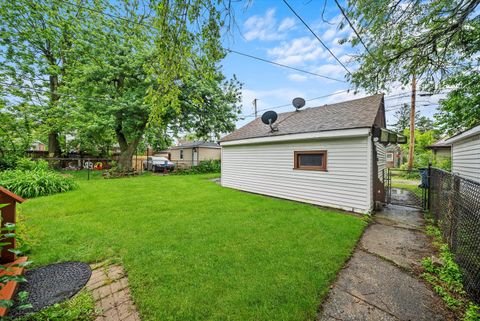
(409,187)
(194,250)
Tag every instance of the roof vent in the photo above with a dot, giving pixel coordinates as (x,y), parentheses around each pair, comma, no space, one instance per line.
(298,103)
(268,118)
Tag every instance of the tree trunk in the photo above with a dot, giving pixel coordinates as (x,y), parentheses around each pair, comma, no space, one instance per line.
(54,149)
(127,149)
(125,159)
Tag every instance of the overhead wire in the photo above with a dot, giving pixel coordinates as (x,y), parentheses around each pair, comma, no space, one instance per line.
(393,96)
(227,49)
(353,27)
(289,104)
(316,36)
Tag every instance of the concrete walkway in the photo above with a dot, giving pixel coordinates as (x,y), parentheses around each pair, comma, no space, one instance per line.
(380,282)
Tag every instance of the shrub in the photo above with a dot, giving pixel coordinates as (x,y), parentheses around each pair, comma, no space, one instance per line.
(445,164)
(204,167)
(446,278)
(27,164)
(7,161)
(37,182)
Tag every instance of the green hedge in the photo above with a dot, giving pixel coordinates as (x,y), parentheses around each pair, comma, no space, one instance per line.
(204,167)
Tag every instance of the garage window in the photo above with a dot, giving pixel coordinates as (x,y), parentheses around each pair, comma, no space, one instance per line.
(311,160)
(181,153)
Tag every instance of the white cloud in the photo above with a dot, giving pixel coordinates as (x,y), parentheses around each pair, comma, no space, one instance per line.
(297,51)
(265,27)
(297,77)
(329,34)
(262,27)
(286,24)
(333,70)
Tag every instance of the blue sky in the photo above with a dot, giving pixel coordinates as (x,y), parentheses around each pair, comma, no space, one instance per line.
(268,29)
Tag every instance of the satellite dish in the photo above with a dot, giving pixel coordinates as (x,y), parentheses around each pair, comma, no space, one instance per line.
(298,103)
(268,118)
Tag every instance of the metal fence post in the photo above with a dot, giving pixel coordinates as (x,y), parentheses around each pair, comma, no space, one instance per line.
(429,173)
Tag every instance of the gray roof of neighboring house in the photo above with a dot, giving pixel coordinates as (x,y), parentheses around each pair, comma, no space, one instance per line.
(358,113)
(462,135)
(197,144)
(441,144)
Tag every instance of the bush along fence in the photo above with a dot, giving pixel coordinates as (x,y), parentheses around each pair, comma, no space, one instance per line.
(454,203)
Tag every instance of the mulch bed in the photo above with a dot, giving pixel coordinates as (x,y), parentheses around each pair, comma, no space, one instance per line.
(52,284)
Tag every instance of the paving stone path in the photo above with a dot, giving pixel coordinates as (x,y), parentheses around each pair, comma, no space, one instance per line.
(109,286)
(379,282)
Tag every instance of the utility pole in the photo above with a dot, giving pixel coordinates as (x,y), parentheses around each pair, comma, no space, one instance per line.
(412,124)
(255,106)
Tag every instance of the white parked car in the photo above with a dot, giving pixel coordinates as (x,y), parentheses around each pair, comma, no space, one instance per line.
(158,164)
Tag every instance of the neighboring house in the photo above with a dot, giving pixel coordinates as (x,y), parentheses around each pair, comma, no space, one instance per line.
(393,154)
(441,150)
(466,153)
(38,146)
(325,156)
(192,153)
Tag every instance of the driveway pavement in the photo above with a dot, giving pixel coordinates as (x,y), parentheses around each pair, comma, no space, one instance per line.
(379,282)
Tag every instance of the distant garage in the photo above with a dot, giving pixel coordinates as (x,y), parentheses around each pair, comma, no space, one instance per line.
(329,155)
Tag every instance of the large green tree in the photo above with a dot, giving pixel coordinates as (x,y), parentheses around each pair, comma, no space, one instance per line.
(123,80)
(430,39)
(37,48)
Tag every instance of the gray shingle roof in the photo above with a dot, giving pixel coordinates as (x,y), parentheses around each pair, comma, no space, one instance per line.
(197,144)
(358,113)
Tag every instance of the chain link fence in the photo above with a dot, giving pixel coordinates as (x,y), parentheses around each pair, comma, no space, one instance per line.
(455,205)
(404,187)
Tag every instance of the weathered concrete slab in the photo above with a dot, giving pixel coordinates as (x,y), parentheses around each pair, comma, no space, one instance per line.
(370,288)
(345,307)
(404,247)
(400,216)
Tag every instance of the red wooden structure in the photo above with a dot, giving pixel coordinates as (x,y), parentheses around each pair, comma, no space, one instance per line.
(8,216)
(8,258)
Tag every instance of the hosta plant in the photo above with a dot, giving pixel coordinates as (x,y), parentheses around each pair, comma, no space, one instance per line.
(36,182)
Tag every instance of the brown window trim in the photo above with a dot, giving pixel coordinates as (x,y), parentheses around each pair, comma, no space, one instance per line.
(322,168)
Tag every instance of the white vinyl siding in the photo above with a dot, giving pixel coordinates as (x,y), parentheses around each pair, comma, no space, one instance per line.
(466,157)
(268,168)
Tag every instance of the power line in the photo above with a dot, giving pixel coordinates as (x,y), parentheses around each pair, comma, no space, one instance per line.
(388,108)
(227,49)
(396,107)
(353,28)
(310,99)
(282,65)
(316,36)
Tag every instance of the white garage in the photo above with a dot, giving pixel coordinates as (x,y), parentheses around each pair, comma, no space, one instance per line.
(325,155)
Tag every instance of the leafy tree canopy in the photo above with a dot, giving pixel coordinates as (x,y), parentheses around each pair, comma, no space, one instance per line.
(430,39)
(127,70)
(461,109)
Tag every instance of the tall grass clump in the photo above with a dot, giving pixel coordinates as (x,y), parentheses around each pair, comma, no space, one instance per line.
(33,179)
